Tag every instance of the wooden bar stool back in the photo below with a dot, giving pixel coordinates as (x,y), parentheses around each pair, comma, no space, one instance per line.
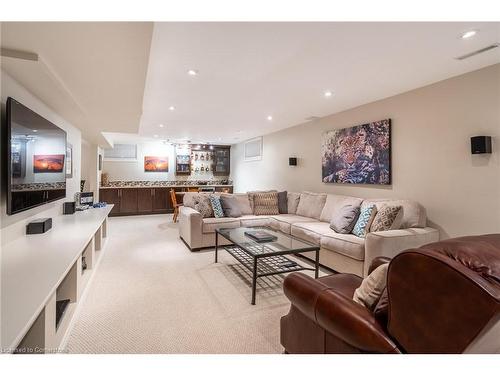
(175,205)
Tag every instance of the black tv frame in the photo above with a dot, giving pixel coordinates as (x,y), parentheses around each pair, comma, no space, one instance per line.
(8,126)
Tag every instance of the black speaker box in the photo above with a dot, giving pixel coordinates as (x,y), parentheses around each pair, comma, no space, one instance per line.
(292,161)
(69,208)
(39,226)
(480,144)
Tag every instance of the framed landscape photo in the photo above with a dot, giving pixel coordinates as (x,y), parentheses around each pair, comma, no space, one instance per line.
(358,155)
(155,164)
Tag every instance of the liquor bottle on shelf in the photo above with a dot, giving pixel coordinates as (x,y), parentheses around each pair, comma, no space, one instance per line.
(195,156)
(202,168)
(202,157)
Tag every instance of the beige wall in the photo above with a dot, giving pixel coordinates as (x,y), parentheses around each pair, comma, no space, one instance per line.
(431,158)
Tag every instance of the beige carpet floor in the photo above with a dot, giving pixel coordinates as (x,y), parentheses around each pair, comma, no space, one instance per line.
(151,294)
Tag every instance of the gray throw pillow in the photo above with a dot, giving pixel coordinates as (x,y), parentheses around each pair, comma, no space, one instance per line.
(283,202)
(230,206)
(344,219)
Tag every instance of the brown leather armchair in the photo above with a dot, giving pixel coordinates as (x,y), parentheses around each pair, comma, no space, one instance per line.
(441,298)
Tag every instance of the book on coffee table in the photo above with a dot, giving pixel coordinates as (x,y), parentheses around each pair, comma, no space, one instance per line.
(260,236)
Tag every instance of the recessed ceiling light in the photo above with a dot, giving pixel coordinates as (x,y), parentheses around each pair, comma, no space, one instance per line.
(270,118)
(172,108)
(468,34)
(192,72)
(34,130)
(328,93)
(156,136)
(219,139)
(161,125)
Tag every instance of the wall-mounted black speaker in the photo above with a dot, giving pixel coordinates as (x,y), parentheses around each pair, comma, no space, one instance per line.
(480,145)
(292,161)
(69,208)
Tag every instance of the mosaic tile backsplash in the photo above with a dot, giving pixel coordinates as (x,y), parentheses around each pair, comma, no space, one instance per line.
(122,184)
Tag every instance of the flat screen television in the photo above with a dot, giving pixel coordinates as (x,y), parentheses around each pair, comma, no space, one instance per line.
(36,159)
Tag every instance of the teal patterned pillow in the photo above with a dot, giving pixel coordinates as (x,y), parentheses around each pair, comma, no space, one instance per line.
(364,221)
(216,206)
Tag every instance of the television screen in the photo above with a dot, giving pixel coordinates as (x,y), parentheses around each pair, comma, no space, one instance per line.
(36,158)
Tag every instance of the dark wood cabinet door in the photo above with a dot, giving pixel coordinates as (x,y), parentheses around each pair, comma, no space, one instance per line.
(161,200)
(110,196)
(145,200)
(222,161)
(128,201)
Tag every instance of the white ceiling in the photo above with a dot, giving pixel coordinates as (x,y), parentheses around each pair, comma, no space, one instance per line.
(91,73)
(248,71)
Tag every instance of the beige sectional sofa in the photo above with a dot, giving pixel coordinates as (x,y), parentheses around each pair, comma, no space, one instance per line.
(308,217)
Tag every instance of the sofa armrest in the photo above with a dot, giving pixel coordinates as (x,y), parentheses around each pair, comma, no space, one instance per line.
(390,243)
(337,314)
(190,226)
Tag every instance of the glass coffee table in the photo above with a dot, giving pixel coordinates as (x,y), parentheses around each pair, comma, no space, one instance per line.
(265,258)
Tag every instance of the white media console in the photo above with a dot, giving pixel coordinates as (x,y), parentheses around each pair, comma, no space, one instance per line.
(38,270)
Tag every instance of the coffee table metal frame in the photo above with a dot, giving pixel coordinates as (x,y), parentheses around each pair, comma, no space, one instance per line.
(266,263)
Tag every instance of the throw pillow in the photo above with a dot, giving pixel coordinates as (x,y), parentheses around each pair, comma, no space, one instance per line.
(365,219)
(265,203)
(372,287)
(311,204)
(385,218)
(216,206)
(230,206)
(282,202)
(345,218)
(293,202)
(243,202)
(203,206)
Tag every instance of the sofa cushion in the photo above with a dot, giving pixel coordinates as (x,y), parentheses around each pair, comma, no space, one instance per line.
(292,202)
(212,223)
(282,202)
(414,214)
(256,220)
(230,205)
(335,202)
(311,204)
(284,222)
(244,203)
(362,226)
(344,218)
(311,232)
(386,218)
(203,205)
(265,203)
(345,244)
(216,205)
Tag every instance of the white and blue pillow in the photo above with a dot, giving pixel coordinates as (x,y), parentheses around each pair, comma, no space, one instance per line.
(216,206)
(365,219)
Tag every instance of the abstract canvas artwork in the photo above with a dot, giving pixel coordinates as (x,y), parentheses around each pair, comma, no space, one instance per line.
(48,163)
(155,164)
(358,155)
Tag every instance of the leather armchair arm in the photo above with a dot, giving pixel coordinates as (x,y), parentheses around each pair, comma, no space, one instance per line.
(337,314)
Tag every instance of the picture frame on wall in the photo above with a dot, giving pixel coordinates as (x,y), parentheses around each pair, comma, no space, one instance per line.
(69,161)
(358,155)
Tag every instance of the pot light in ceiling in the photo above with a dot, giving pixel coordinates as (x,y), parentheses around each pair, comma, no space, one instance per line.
(192,72)
(156,136)
(468,34)
(171,108)
(269,118)
(328,93)
(161,125)
(34,130)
